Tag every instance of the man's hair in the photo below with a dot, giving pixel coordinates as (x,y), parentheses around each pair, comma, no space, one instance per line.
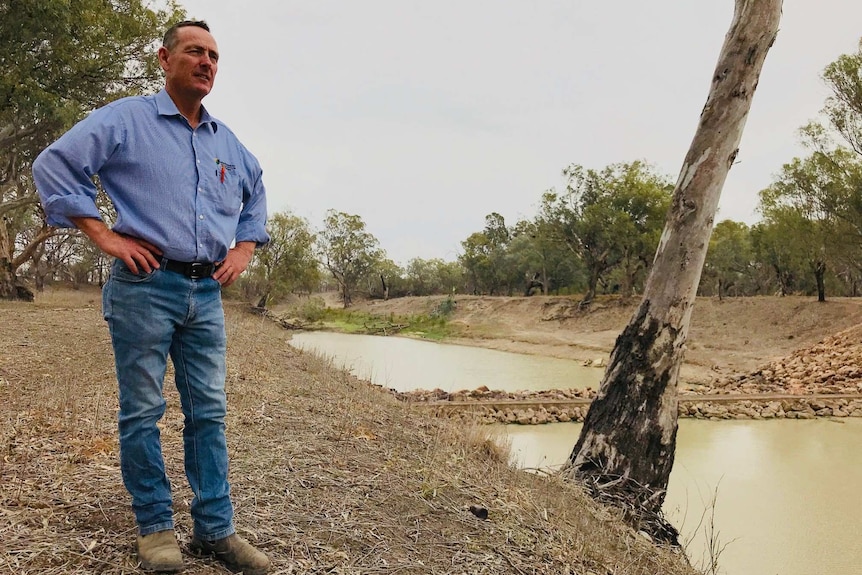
(170,39)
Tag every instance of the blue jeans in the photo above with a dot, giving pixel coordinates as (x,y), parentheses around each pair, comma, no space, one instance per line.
(151,316)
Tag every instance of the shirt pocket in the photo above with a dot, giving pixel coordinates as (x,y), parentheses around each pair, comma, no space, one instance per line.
(227,196)
(229,199)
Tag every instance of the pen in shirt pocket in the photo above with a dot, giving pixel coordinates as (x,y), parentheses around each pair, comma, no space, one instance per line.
(223,167)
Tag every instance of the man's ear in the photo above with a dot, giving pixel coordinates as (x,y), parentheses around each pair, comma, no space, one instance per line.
(163,58)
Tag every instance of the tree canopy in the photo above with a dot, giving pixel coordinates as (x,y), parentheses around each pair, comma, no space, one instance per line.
(62,59)
(348,251)
(287,263)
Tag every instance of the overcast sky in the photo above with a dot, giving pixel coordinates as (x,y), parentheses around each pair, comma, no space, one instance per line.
(423,117)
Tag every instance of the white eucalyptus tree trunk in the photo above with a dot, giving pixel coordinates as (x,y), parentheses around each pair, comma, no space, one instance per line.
(625,452)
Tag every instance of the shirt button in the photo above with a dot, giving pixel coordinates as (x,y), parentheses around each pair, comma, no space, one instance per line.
(200,189)
(201,216)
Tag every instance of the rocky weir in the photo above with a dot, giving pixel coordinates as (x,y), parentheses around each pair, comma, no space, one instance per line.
(533,408)
(823,380)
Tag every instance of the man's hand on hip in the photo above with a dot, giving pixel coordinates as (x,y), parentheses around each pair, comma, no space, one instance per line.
(138,255)
(234,264)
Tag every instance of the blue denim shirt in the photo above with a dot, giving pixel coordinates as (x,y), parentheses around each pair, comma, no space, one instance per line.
(189,192)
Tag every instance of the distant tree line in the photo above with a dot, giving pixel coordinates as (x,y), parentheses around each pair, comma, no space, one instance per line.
(596,235)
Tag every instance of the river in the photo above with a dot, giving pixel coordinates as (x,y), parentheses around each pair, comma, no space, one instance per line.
(787,491)
(408,364)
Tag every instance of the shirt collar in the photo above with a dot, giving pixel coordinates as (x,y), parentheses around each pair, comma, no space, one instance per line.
(166,107)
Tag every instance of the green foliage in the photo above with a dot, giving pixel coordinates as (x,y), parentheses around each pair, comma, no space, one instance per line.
(434,326)
(609,219)
(386,280)
(434,276)
(287,264)
(314,309)
(61,59)
(729,264)
(445,308)
(536,251)
(843,108)
(348,251)
(310,309)
(603,230)
(486,261)
(811,233)
(815,204)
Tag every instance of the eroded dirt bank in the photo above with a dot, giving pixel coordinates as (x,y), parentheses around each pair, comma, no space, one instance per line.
(747,358)
(727,339)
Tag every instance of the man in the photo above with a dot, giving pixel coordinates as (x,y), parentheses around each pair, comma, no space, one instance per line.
(185,190)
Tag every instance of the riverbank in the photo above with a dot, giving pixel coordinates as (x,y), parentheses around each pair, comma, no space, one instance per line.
(727,339)
(747,358)
(330,474)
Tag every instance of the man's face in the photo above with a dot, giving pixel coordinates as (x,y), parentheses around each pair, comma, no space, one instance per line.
(191,66)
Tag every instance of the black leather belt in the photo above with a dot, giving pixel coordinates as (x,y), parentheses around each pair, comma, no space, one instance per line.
(193,270)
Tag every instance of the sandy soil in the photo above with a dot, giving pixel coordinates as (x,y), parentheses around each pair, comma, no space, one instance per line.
(726,338)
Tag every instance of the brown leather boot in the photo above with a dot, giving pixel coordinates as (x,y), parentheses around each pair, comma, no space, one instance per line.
(160,552)
(235,552)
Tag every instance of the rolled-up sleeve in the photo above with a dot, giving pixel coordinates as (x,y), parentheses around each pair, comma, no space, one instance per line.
(63,172)
(252,218)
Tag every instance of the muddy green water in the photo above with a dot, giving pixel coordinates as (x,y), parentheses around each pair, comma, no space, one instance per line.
(788,492)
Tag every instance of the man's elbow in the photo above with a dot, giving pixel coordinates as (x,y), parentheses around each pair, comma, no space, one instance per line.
(40,176)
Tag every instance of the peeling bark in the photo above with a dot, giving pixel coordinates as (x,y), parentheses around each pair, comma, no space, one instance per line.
(626,449)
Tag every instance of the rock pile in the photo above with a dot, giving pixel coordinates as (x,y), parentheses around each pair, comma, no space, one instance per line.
(832,366)
(483,394)
(802,408)
(797,408)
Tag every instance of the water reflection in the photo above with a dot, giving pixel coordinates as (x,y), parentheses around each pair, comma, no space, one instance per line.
(787,500)
(408,364)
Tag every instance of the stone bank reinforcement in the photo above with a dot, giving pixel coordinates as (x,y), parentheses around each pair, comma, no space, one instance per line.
(559,406)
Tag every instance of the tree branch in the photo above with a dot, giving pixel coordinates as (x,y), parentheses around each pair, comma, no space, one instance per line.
(44,233)
(17,203)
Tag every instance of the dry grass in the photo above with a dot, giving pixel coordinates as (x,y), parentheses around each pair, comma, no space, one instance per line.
(329,474)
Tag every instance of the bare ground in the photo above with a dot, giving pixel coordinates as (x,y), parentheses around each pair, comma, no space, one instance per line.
(330,474)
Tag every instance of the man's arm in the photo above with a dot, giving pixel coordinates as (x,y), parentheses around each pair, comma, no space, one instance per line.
(238,258)
(64,171)
(137,254)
